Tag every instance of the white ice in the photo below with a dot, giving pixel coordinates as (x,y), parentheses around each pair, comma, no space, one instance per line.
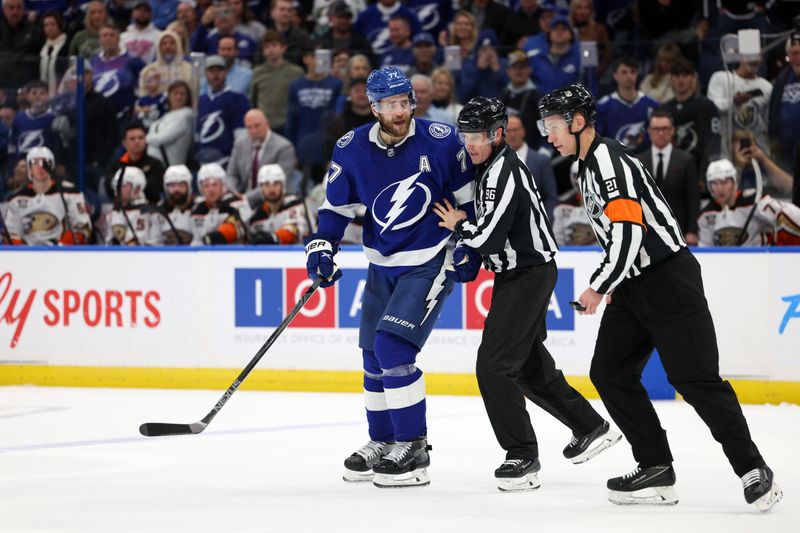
(73,460)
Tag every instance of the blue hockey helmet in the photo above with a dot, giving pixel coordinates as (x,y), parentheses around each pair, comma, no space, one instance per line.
(389,81)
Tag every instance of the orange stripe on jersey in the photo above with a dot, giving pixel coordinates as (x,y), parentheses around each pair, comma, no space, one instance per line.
(624,210)
(228,231)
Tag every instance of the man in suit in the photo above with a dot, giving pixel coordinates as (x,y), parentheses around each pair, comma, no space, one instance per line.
(261,146)
(675,172)
(539,165)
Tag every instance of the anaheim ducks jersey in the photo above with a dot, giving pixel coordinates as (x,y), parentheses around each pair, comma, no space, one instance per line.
(142,222)
(181,218)
(230,211)
(286,226)
(571,224)
(773,223)
(36,218)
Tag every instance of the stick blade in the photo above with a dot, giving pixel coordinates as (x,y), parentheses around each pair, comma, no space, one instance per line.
(160,429)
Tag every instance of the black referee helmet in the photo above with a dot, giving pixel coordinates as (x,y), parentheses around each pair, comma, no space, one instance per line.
(565,101)
(483,114)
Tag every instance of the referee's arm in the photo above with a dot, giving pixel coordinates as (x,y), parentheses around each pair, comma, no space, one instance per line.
(489,234)
(614,180)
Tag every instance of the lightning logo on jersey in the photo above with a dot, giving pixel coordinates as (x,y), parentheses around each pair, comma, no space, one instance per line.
(212,127)
(403,191)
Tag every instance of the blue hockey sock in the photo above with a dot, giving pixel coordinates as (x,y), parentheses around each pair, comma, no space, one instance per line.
(403,385)
(378,419)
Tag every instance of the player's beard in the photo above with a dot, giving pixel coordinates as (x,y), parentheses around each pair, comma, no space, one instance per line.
(389,127)
(178,198)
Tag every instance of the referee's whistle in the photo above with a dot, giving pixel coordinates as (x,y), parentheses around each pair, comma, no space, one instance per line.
(576,305)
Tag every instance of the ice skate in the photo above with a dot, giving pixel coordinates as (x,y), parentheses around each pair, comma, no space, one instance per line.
(517,475)
(653,485)
(582,448)
(761,489)
(406,465)
(358,467)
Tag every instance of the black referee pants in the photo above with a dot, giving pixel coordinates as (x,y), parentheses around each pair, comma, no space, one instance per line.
(666,307)
(513,363)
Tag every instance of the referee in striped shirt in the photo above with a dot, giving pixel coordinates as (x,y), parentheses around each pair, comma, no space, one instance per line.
(514,238)
(658,301)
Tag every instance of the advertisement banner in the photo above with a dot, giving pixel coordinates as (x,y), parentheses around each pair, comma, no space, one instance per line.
(213,308)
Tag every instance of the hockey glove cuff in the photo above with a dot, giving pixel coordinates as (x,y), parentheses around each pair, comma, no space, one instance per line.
(466,265)
(319,260)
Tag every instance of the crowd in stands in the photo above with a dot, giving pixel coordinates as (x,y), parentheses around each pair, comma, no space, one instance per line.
(211,122)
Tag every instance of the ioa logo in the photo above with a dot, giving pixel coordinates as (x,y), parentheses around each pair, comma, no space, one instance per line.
(401,204)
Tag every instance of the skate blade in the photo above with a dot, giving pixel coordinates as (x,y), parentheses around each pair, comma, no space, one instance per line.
(603,443)
(648,496)
(529,481)
(416,478)
(769,499)
(351,476)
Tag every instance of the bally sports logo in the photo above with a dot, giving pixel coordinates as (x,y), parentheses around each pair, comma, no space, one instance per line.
(263,296)
(70,308)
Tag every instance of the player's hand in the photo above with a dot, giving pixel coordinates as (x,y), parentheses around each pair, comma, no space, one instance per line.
(590,299)
(450,215)
(319,260)
(466,265)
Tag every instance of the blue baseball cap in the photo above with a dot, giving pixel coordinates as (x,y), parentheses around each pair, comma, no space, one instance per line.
(423,38)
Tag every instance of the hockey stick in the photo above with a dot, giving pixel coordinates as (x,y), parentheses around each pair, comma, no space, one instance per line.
(159,429)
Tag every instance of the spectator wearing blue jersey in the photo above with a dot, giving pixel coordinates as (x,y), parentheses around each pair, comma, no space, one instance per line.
(537,42)
(399,53)
(560,63)
(164,12)
(115,72)
(373,23)
(623,114)
(309,98)
(33,126)
(220,116)
(398,168)
(784,105)
(434,15)
(482,72)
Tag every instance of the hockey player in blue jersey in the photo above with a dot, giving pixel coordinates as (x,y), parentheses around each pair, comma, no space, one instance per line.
(398,168)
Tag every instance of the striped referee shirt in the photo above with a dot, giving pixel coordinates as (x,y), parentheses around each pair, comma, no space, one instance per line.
(632,221)
(512,229)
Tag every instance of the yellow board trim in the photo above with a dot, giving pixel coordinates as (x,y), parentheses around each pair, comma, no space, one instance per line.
(749,391)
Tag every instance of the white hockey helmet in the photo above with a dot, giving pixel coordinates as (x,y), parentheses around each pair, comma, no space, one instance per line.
(211,171)
(271,174)
(177,174)
(132,175)
(42,154)
(719,170)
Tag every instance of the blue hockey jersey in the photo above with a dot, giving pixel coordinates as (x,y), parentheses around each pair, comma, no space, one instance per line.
(29,131)
(218,116)
(117,79)
(373,23)
(434,15)
(625,121)
(398,185)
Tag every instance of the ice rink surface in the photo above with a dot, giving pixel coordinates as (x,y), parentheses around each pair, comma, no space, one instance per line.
(73,460)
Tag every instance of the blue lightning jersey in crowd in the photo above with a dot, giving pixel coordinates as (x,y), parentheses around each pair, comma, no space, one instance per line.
(373,23)
(434,15)
(398,185)
(29,131)
(218,116)
(117,79)
(625,121)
